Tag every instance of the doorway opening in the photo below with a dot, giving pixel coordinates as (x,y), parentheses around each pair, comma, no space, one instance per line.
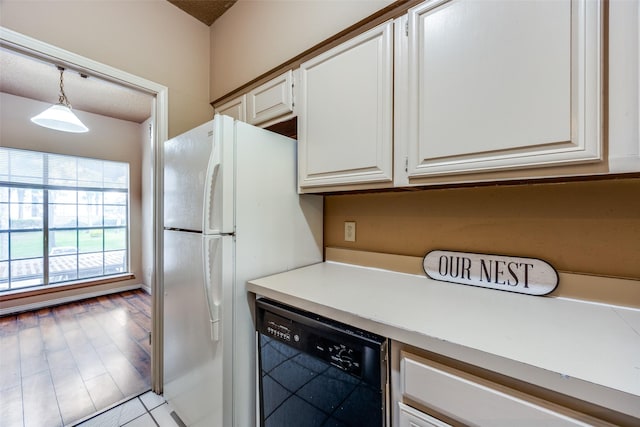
(153,132)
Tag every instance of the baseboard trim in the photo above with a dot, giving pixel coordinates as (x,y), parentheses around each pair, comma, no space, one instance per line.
(4,311)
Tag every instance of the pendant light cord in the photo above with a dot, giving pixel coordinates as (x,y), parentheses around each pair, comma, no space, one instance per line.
(62,99)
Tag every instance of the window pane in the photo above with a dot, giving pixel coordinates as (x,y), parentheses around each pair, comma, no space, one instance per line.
(26,167)
(4,216)
(25,195)
(115,216)
(4,194)
(62,170)
(26,273)
(4,246)
(115,262)
(115,239)
(62,216)
(63,268)
(63,242)
(90,197)
(4,276)
(63,196)
(91,240)
(26,216)
(116,175)
(89,172)
(91,265)
(26,245)
(115,198)
(89,215)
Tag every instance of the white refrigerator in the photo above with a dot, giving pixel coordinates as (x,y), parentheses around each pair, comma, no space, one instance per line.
(231,214)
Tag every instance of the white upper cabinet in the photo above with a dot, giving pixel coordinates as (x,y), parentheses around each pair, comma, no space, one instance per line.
(501,84)
(271,101)
(234,108)
(345,113)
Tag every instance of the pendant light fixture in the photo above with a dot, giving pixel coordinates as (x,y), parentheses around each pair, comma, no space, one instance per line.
(59,116)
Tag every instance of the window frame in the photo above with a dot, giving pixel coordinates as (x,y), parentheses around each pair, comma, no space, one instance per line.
(46,278)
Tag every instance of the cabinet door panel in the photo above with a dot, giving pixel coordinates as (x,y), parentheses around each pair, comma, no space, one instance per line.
(234,108)
(502,84)
(345,115)
(271,100)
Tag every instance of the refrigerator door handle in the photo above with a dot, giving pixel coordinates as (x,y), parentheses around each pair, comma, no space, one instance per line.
(215,321)
(208,251)
(213,169)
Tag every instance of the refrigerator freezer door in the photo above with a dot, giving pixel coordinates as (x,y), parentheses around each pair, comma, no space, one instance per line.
(194,272)
(198,178)
(185,168)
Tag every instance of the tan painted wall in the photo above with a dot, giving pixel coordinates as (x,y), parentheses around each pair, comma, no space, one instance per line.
(254,36)
(151,39)
(581,227)
(109,139)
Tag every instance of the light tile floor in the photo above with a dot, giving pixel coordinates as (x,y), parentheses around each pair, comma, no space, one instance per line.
(146,410)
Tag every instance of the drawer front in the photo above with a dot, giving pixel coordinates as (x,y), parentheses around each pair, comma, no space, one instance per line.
(410,417)
(478,403)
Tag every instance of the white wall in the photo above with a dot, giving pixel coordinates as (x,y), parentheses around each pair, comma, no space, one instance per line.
(151,39)
(254,36)
(109,139)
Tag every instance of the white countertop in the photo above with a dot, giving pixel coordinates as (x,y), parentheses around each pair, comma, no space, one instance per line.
(590,351)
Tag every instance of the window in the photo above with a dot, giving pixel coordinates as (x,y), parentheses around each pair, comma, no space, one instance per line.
(62,218)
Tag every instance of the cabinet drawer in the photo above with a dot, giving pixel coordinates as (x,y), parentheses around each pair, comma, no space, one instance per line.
(410,417)
(271,100)
(472,400)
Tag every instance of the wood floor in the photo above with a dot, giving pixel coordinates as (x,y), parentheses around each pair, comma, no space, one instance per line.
(60,364)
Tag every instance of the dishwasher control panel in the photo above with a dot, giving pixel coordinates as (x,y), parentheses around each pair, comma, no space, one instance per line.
(344,354)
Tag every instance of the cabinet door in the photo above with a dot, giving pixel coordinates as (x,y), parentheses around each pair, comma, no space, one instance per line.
(271,100)
(503,84)
(410,417)
(234,108)
(345,114)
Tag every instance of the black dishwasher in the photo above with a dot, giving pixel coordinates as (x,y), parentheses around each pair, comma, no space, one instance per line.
(318,372)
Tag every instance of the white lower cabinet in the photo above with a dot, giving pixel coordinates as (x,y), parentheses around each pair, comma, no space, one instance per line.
(466,399)
(410,417)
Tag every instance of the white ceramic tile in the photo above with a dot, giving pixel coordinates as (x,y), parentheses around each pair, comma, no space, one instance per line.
(143,421)
(130,410)
(106,419)
(162,415)
(151,400)
(118,415)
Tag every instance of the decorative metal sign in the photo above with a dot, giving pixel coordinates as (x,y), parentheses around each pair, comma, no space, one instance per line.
(523,275)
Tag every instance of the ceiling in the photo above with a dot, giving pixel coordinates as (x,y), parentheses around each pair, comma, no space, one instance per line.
(205,11)
(39,79)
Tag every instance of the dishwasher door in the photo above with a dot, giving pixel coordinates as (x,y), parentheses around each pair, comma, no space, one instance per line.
(317,372)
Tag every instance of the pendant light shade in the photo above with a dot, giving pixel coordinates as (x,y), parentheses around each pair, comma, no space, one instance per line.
(59,116)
